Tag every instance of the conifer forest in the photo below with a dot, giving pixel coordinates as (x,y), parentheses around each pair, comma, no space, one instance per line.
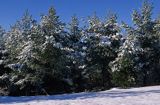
(50,56)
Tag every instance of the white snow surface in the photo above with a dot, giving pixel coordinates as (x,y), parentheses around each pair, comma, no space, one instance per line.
(132,96)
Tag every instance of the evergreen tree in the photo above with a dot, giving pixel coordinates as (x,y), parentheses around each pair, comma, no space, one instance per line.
(2,33)
(137,58)
(75,54)
(103,41)
(17,37)
(52,55)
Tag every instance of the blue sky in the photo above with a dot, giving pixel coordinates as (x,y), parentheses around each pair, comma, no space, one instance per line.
(12,10)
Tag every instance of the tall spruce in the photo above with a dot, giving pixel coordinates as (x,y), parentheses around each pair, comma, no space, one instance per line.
(76,54)
(135,65)
(103,42)
(52,55)
(17,37)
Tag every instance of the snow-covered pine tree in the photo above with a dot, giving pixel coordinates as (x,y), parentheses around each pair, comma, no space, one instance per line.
(137,61)
(23,80)
(39,53)
(3,53)
(103,41)
(123,66)
(12,42)
(75,54)
(17,37)
(2,33)
(52,55)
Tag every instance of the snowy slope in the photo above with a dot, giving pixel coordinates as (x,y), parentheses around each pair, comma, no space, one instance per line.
(134,96)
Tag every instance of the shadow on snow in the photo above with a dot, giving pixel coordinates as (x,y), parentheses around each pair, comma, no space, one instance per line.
(107,94)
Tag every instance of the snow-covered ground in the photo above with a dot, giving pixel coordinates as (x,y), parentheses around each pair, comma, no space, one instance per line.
(133,96)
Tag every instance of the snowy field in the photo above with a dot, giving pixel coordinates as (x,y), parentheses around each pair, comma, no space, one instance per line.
(134,96)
